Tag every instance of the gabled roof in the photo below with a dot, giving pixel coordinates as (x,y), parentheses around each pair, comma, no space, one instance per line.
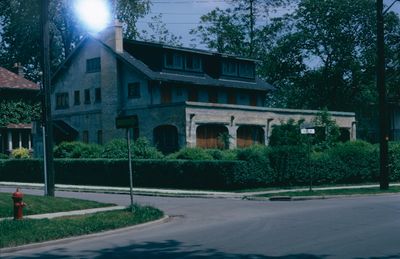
(10,80)
(141,67)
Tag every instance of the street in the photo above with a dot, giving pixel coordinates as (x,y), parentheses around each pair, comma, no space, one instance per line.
(359,227)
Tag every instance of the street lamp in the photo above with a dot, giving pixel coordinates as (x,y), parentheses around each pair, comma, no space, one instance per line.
(94,14)
(383,105)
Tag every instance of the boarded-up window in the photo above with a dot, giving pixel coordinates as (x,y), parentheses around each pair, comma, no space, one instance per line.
(212,96)
(253,99)
(210,136)
(249,135)
(232,97)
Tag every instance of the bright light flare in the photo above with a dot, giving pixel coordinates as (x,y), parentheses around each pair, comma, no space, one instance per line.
(94,14)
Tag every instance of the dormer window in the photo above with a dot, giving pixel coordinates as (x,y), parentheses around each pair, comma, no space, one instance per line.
(229,68)
(173,60)
(246,70)
(193,63)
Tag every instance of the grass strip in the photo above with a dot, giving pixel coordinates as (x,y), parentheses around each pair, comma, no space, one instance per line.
(20,232)
(45,204)
(358,191)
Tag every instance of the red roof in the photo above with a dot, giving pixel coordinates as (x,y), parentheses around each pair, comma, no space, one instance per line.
(19,126)
(11,80)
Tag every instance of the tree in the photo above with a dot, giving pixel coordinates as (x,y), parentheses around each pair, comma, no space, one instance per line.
(21,30)
(159,33)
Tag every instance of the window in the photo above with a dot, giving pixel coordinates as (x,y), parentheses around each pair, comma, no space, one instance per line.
(87,96)
(231,97)
(93,65)
(166,94)
(193,63)
(77,98)
(193,95)
(134,90)
(173,60)
(85,136)
(97,96)
(62,101)
(100,137)
(212,96)
(246,70)
(229,68)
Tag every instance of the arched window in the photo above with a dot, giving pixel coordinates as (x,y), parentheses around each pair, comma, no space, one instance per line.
(166,138)
(249,135)
(212,136)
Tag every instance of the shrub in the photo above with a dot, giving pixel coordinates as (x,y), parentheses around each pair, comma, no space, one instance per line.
(394,161)
(218,154)
(287,134)
(258,170)
(191,154)
(77,149)
(141,149)
(20,153)
(3,156)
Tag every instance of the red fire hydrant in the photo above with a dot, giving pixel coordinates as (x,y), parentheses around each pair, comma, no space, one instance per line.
(18,204)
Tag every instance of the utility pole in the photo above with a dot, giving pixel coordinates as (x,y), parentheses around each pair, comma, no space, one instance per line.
(48,123)
(383,108)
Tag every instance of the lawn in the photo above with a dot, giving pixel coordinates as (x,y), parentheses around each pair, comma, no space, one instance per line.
(41,204)
(14,233)
(360,191)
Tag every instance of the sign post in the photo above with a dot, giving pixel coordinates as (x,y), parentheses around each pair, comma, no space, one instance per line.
(128,122)
(308,129)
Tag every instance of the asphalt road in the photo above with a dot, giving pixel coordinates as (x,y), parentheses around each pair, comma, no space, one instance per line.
(367,227)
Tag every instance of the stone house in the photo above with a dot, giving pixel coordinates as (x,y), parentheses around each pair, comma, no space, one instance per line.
(178,96)
(16,87)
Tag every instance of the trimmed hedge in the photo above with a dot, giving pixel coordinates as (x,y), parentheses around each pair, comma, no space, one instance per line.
(147,173)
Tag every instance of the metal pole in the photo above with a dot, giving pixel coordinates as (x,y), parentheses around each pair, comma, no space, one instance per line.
(130,167)
(44,161)
(383,112)
(47,107)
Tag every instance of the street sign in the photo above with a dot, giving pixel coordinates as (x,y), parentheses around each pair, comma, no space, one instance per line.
(307,131)
(126,122)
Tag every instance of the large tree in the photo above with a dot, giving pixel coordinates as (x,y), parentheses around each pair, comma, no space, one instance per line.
(20,21)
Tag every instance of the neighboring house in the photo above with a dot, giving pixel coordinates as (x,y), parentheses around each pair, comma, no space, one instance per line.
(16,87)
(179,96)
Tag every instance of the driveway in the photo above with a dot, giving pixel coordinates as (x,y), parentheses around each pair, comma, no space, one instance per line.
(365,227)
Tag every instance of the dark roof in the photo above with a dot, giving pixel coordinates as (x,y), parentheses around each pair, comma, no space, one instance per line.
(141,67)
(10,80)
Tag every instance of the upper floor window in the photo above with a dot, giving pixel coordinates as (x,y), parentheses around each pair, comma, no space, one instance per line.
(193,63)
(77,98)
(212,96)
(87,96)
(62,101)
(97,96)
(246,70)
(173,60)
(134,90)
(93,65)
(229,68)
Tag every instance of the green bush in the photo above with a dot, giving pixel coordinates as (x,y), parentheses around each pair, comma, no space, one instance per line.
(191,154)
(394,160)
(290,165)
(147,173)
(218,154)
(20,153)
(258,169)
(77,149)
(3,156)
(141,149)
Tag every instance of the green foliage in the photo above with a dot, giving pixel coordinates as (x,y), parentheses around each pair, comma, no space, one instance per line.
(159,32)
(20,153)
(287,134)
(3,156)
(218,154)
(77,149)
(18,111)
(191,154)
(329,135)
(394,160)
(141,149)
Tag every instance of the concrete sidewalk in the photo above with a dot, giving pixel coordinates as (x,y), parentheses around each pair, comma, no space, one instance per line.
(175,192)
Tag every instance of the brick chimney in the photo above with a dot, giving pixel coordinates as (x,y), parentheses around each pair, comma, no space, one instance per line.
(112,36)
(19,69)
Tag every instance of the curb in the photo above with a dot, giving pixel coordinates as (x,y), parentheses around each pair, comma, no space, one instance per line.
(77,238)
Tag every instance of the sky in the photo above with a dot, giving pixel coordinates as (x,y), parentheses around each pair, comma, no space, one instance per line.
(180,16)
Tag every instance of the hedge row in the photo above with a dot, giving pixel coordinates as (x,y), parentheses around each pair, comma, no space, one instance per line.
(258,166)
(147,173)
